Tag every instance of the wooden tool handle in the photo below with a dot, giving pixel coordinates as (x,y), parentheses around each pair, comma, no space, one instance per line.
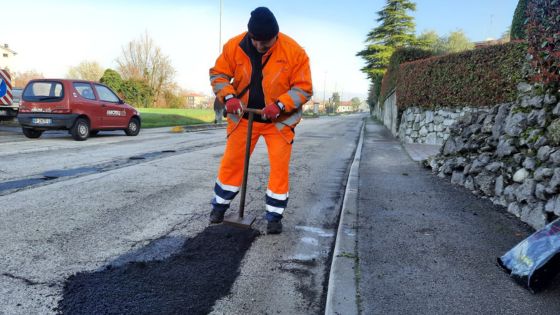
(252,110)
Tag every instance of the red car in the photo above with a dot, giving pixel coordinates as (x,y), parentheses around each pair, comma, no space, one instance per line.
(82,107)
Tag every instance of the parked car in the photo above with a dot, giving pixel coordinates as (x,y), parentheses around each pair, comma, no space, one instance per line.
(82,107)
(16,96)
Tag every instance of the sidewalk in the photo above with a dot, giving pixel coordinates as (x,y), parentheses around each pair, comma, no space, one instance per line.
(425,246)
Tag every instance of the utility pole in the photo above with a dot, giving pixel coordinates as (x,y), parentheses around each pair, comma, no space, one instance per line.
(220,31)
(325,91)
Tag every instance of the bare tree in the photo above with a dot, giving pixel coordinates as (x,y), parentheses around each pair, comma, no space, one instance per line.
(20,79)
(86,70)
(142,60)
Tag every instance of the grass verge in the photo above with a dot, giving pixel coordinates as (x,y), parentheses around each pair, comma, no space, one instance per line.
(168,117)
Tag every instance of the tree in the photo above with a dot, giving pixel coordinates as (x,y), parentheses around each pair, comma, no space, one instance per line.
(356,102)
(20,79)
(430,40)
(457,41)
(142,60)
(86,70)
(135,92)
(112,79)
(396,30)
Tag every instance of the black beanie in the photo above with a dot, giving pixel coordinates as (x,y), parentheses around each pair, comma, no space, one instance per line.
(262,24)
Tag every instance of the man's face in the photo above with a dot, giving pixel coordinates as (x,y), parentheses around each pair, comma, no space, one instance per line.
(263,46)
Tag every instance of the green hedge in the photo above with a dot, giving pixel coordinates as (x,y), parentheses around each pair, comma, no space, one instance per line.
(518,22)
(543,35)
(480,77)
(401,55)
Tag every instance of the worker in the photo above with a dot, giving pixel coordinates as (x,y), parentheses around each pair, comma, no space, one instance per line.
(261,69)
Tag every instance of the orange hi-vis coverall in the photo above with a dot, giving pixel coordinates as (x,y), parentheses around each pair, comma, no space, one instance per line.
(286,78)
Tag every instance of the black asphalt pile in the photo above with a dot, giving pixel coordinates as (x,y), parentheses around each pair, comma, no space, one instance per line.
(189,282)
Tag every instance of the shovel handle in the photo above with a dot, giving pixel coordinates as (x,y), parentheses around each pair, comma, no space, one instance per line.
(252,110)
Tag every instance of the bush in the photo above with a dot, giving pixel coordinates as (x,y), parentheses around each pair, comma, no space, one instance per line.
(480,77)
(543,35)
(518,22)
(401,55)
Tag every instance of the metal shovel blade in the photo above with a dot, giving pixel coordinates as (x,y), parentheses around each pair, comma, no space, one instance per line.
(244,222)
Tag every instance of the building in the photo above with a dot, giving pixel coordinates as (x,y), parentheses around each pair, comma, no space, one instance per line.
(7,58)
(312,106)
(198,100)
(345,107)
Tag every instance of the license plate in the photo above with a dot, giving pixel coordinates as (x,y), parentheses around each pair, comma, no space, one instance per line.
(3,112)
(41,121)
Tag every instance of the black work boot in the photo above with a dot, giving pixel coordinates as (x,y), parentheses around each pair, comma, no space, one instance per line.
(216,216)
(274,227)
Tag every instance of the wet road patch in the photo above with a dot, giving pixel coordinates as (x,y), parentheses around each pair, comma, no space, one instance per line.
(188,282)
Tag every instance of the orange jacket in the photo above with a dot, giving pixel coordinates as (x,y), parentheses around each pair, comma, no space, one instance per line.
(286,75)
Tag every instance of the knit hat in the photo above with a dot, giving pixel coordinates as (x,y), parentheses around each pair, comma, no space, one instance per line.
(262,25)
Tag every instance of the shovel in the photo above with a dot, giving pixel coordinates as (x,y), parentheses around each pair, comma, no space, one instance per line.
(241,220)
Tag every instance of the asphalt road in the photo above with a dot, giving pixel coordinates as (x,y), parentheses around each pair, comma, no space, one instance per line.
(118,224)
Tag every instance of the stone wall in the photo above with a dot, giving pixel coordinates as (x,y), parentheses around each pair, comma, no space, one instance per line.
(388,113)
(429,126)
(510,154)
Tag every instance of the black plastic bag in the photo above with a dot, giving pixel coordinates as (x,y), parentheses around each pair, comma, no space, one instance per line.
(535,261)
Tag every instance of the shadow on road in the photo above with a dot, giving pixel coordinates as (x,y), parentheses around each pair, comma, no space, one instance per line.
(188,282)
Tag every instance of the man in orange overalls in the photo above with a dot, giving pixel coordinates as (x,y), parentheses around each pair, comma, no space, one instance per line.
(262,69)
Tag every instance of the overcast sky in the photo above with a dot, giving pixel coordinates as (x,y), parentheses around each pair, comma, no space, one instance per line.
(51,36)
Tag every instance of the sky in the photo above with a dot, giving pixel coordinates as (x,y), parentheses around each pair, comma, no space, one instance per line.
(52,36)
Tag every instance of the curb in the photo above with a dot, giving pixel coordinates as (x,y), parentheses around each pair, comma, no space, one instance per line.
(200,127)
(342,290)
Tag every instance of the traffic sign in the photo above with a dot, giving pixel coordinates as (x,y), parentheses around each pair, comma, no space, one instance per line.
(5,88)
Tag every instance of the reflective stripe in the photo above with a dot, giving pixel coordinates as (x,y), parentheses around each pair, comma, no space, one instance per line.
(227,187)
(274,209)
(216,76)
(293,119)
(224,194)
(305,94)
(295,98)
(219,86)
(276,202)
(221,201)
(233,117)
(269,193)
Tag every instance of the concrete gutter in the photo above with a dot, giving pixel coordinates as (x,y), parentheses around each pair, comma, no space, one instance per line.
(342,291)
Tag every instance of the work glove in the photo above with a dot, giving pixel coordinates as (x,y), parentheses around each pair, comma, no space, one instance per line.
(272,111)
(233,106)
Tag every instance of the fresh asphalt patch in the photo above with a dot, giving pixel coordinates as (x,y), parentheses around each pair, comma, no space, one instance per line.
(188,282)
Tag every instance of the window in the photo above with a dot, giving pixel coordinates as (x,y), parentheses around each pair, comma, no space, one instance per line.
(105,94)
(85,90)
(5,55)
(42,91)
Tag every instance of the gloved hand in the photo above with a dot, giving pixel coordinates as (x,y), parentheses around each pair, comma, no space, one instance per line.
(271,111)
(233,106)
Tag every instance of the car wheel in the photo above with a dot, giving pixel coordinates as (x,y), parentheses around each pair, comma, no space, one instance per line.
(93,133)
(80,130)
(32,133)
(133,127)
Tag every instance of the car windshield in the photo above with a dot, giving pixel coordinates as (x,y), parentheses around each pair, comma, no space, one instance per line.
(43,91)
